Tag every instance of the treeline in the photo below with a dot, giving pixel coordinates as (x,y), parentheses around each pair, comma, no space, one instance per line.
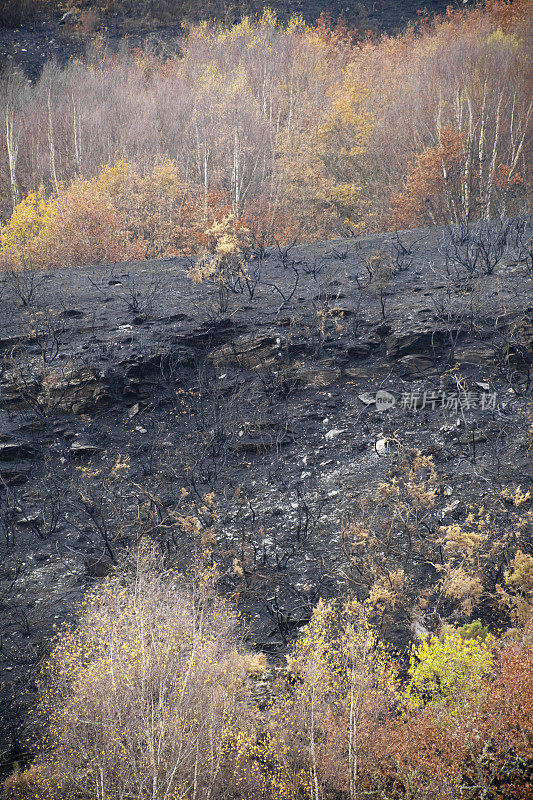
(298,131)
(153,695)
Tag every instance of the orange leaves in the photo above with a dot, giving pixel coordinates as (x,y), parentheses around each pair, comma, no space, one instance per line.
(465,72)
(161,214)
(512,691)
(505,179)
(78,226)
(511,16)
(335,36)
(432,189)
(117,216)
(466,746)
(82,226)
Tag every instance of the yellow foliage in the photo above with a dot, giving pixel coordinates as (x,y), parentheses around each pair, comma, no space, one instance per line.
(522,575)
(500,39)
(268,18)
(447,671)
(254,664)
(340,674)
(224,259)
(296,24)
(144,692)
(387,590)
(26,220)
(517,498)
(459,585)
(19,234)
(461,539)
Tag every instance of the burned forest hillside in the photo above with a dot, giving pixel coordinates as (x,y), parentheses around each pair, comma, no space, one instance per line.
(266,420)
(336,376)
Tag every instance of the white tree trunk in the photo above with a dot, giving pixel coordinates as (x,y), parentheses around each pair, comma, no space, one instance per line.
(12,154)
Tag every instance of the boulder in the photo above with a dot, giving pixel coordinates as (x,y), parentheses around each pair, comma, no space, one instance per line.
(10,451)
(84,449)
(249,351)
(417,342)
(412,367)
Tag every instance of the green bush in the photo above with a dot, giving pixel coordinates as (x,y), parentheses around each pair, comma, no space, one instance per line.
(474,630)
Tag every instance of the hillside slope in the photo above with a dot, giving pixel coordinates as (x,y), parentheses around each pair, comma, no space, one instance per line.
(129,402)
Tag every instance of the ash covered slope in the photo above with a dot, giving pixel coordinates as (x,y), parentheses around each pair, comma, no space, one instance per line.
(122,385)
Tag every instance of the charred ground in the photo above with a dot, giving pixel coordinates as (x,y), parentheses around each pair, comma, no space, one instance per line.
(129,403)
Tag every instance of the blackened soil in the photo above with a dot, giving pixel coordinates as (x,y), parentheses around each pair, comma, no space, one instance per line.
(122,385)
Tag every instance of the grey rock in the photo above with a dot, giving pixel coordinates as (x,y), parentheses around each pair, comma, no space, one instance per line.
(333,433)
(10,451)
(84,449)
(412,367)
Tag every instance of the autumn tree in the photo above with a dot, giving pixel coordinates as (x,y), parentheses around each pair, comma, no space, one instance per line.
(469,731)
(223,261)
(119,214)
(338,683)
(433,187)
(142,696)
